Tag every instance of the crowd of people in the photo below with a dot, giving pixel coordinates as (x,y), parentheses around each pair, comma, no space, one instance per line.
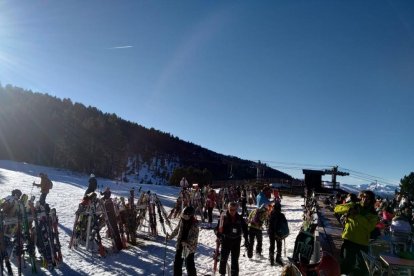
(233,229)
(366,217)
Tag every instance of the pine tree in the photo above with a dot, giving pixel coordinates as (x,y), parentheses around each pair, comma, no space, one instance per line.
(407,184)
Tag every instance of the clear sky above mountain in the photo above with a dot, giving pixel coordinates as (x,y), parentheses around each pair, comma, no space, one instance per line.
(295,84)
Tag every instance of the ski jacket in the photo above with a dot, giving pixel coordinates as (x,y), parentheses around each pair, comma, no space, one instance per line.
(277,222)
(106,194)
(211,199)
(9,206)
(233,227)
(45,185)
(93,184)
(257,217)
(359,226)
(192,238)
(261,199)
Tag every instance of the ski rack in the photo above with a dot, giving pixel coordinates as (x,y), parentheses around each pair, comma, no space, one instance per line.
(18,230)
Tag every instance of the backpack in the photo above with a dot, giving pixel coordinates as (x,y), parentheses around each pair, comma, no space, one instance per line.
(49,183)
(283,230)
(254,217)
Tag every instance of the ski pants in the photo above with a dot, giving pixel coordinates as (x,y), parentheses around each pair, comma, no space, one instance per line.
(278,242)
(255,234)
(42,199)
(352,262)
(189,264)
(244,207)
(210,214)
(230,246)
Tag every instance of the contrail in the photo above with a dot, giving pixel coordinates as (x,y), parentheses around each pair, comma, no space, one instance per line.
(121,47)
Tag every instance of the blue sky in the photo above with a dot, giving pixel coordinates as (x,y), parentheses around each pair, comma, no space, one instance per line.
(295,84)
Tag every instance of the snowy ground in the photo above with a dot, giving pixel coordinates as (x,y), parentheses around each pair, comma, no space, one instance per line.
(148,257)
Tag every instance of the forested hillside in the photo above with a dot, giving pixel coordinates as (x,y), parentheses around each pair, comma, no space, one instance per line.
(44,130)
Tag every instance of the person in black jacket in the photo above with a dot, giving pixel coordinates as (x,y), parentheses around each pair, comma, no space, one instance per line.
(277,224)
(106,194)
(230,228)
(93,184)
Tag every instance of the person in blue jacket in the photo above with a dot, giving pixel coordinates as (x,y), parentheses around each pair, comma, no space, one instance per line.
(264,196)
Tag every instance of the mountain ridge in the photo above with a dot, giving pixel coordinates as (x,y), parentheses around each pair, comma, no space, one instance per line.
(40,129)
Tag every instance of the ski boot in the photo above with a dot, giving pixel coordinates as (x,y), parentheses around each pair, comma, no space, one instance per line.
(279,261)
(272,259)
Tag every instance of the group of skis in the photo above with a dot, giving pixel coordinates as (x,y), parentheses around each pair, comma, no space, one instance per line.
(24,227)
(116,219)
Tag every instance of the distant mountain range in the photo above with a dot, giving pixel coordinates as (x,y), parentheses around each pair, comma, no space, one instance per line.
(382,190)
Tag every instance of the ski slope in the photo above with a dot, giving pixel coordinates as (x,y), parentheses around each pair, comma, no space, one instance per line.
(149,257)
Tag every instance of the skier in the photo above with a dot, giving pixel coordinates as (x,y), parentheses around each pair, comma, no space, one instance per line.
(277,195)
(255,222)
(264,196)
(184,183)
(93,184)
(8,204)
(45,185)
(210,204)
(277,232)
(187,230)
(106,194)
(230,229)
(243,200)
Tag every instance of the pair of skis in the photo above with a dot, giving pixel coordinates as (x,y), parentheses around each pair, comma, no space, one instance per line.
(28,237)
(45,235)
(4,257)
(86,226)
(216,256)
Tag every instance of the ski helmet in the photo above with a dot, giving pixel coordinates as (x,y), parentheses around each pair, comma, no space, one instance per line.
(17,193)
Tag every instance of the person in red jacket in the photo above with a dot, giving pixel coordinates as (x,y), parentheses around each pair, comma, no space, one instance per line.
(210,204)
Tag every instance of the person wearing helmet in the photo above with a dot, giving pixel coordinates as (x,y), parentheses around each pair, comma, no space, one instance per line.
(9,203)
(93,184)
(16,193)
(187,239)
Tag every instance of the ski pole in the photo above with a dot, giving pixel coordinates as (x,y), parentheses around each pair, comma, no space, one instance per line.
(165,254)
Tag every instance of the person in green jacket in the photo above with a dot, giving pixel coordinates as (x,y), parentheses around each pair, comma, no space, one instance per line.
(255,221)
(360,221)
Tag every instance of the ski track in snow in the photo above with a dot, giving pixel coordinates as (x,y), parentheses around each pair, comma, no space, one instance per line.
(148,257)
